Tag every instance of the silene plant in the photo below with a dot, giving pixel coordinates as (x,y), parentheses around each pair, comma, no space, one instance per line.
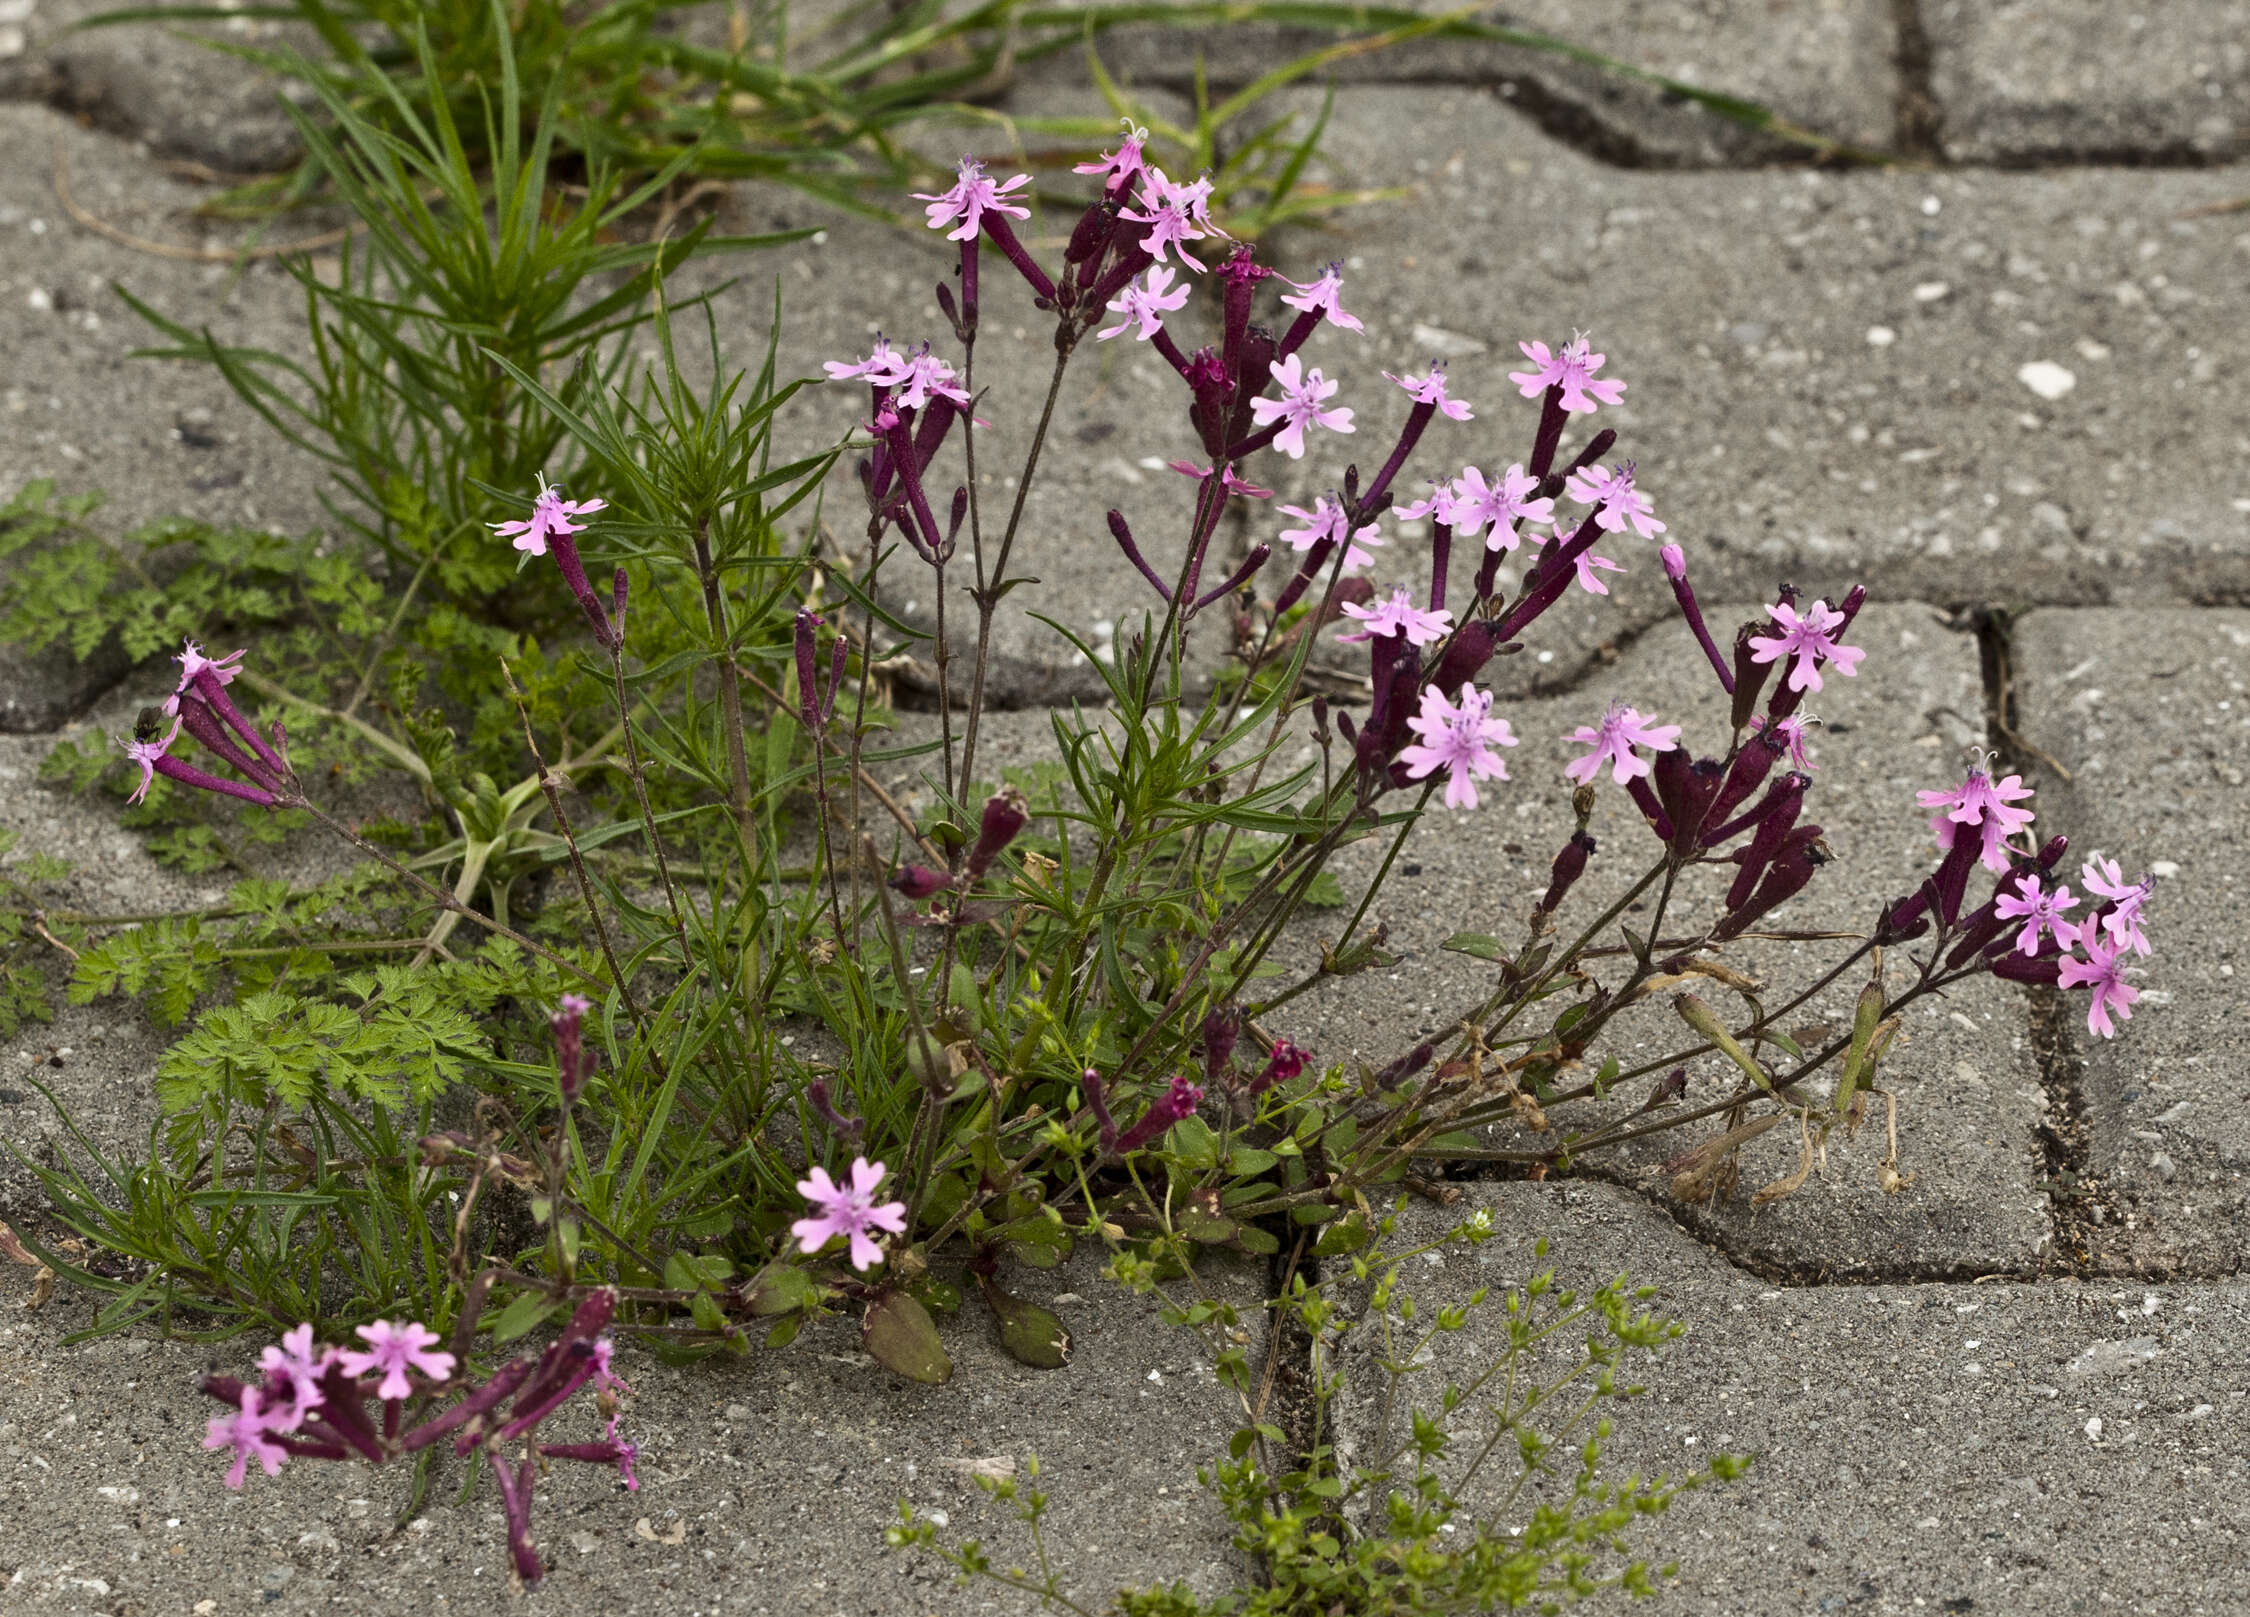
(826,1051)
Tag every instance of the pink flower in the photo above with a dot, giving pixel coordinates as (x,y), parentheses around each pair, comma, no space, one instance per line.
(1478,506)
(1398,615)
(193,664)
(394,1350)
(1322,297)
(925,374)
(1430,389)
(1613,740)
(1589,567)
(296,1364)
(972,197)
(627,1453)
(1572,370)
(848,1209)
(2039,912)
(550,515)
(606,1379)
(1791,733)
(1809,639)
(1459,740)
(1615,500)
(2100,971)
(1326,521)
(1175,215)
(1439,504)
(146,754)
(1146,304)
(884,366)
(2105,878)
(245,1432)
(1121,165)
(1228,481)
(1980,801)
(1302,393)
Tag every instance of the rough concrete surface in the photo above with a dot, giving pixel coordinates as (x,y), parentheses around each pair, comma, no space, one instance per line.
(2037,81)
(2147,711)
(1965,385)
(2020,1449)
(766,1484)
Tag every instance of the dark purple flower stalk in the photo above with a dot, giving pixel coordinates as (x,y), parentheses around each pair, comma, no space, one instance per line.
(929,541)
(1776,817)
(1686,788)
(1751,765)
(1552,418)
(1750,675)
(516,1483)
(1405,1067)
(572,1064)
(808,679)
(1240,274)
(1556,571)
(1097,1102)
(1122,532)
(844,1128)
(1004,237)
(202,722)
(1790,784)
(1570,864)
(1128,265)
(1315,559)
(1644,798)
(206,684)
(1951,883)
(1258,557)
(1441,553)
(1792,868)
(1417,419)
(965,321)
(1675,568)
(482,1401)
(1465,655)
(1177,1104)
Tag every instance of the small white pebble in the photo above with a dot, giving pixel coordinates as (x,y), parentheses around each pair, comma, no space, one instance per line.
(2046,378)
(2166,868)
(1931,291)
(2094,1428)
(1931,206)
(1881,336)
(40,299)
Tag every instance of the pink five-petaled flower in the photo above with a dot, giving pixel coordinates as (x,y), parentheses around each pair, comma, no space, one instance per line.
(193,664)
(394,1350)
(1614,498)
(1324,297)
(1572,370)
(1809,638)
(604,1377)
(1430,389)
(1459,740)
(973,196)
(146,753)
(1302,393)
(1494,509)
(1326,521)
(1983,802)
(1122,164)
(2039,912)
(883,366)
(550,515)
(298,1362)
(1145,303)
(2105,878)
(245,1432)
(1613,740)
(1175,215)
(2103,972)
(1398,615)
(848,1209)
(1228,481)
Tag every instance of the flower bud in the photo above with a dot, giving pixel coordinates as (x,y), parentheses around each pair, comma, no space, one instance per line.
(1405,1067)
(1750,676)
(918,882)
(1005,814)
(572,1064)
(1221,1030)
(1286,1062)
(1471,648)
(1570,864)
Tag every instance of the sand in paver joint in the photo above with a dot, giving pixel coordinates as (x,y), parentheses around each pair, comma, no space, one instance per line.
(2016,1386)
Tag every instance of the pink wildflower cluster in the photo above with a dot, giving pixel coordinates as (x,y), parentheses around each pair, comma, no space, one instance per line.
(310,1402)
(200,705)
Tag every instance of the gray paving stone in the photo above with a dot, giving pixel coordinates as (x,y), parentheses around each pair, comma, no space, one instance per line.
(2147,710)
(153,83)
(2034,81)
(2001,1448)
(766,1483)
(1969,1090)
(1825,66)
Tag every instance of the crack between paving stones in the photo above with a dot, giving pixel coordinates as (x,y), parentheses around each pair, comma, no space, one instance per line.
(1918,120)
